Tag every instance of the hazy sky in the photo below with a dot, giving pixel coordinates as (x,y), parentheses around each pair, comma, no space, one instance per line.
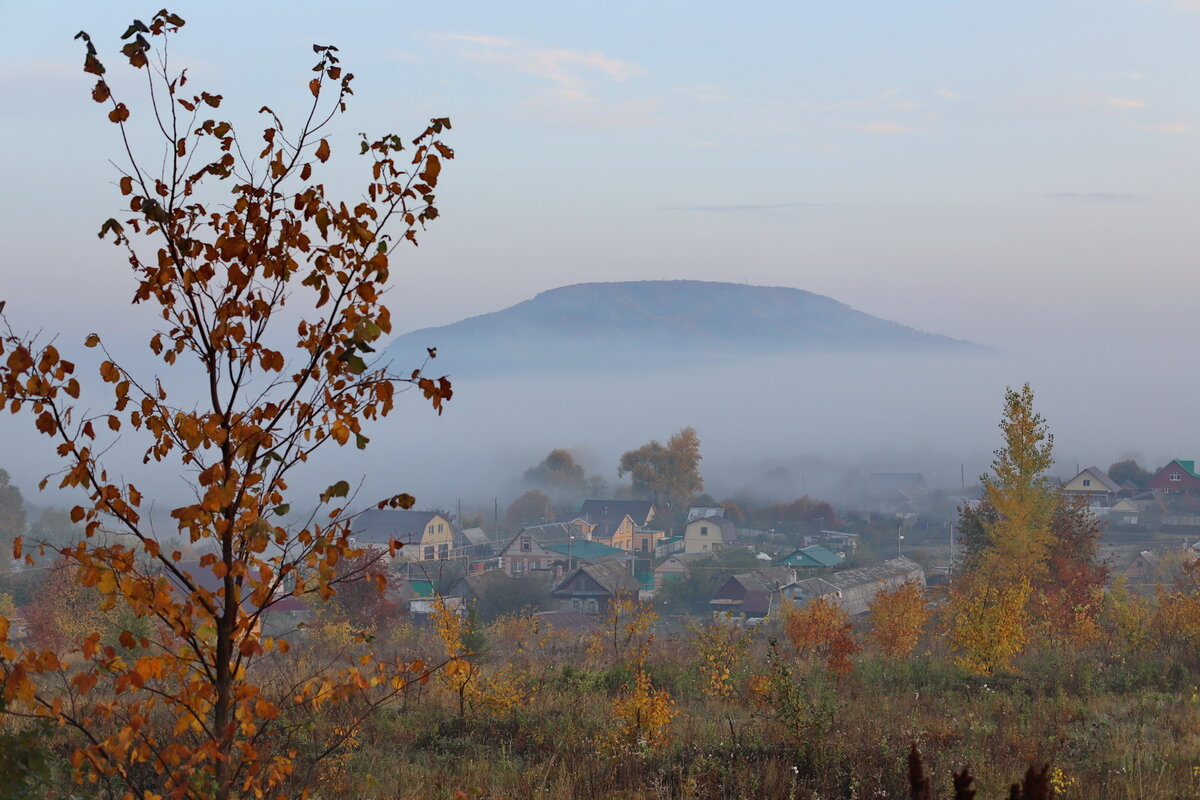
(1004,172)
(1022,174)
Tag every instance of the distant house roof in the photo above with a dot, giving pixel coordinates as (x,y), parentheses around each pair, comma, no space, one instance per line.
(613,577)
(696,512)
(766,579)
(378,527)
(1100,475)
(587,551)
(550,533)
(596,510)
(847,580)
(726,526)
(811,556)
(476,536)
(687,559)
(606,528)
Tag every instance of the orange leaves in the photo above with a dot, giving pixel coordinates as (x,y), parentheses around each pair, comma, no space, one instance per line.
(119,114)
(820,627)
(84,682)
(109,372)
(323,151)
(100,91)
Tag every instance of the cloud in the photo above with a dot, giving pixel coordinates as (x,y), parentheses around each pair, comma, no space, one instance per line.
(572,80)
(1122,102)
(949,95)
(749,207)
(1101,197)
(1172,127)
(884,127)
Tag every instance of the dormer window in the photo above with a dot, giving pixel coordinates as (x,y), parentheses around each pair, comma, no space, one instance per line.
(1087,482)
(526,544)
(1176,476)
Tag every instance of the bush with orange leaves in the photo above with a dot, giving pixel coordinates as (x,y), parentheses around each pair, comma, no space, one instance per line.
(898,618)
(820,628)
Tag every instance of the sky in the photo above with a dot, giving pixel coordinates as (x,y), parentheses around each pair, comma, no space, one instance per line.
(1020,174)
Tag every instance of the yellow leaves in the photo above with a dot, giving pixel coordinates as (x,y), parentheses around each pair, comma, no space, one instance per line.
(642,716)
(898,618)
(323,151)
(988,625)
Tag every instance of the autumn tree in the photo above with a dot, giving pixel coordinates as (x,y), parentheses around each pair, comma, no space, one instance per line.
(1009,543)
(721,647)
(1129,473)
(12,516)
(221,233)
(557,474)
(531,508)
(898,618)
(821,628)
(668,475)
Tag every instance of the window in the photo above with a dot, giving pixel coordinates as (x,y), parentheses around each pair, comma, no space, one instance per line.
(526,544)
(705,545)
(443,551)
(518,566)
(704,530)
(1176,476)
(575,604)
(428,552)
(1087,482)
(590,606)
(441,527)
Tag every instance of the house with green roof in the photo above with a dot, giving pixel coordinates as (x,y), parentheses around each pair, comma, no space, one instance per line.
(812,557)
(1177,476)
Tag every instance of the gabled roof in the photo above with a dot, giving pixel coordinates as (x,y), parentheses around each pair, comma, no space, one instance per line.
(1188,466)
(686,559)
(476,536)
(376,526)
(606,528)
(1108,483)
(612,576)
(548,534)
(696,512)
(726,526)
(850,578)
(805,556)
(596,510)
(767,579)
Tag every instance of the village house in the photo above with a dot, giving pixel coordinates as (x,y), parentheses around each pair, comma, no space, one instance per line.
(1095,486)
(676,566)
(754,595)
(528,550)
(708,534)
(812,557)
(596,510)
(554,546)
(1177,476)
(592,588)
(425,535)
(1143,568)
(854,589)
(615,532)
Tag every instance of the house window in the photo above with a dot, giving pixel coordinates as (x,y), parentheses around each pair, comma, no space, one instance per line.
(1087,482)
(590,606)
(428,552)
(526,544)
(1176,476)
(518,566)
(704,530)
(575,605)
(705,545)
(441,527)
(443,551)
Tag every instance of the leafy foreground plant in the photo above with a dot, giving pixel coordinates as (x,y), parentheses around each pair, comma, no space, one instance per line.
(200,704)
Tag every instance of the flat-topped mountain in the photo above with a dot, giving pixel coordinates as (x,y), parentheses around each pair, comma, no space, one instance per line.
(650,322)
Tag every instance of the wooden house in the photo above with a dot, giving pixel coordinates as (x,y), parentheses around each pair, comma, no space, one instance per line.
(592,588)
